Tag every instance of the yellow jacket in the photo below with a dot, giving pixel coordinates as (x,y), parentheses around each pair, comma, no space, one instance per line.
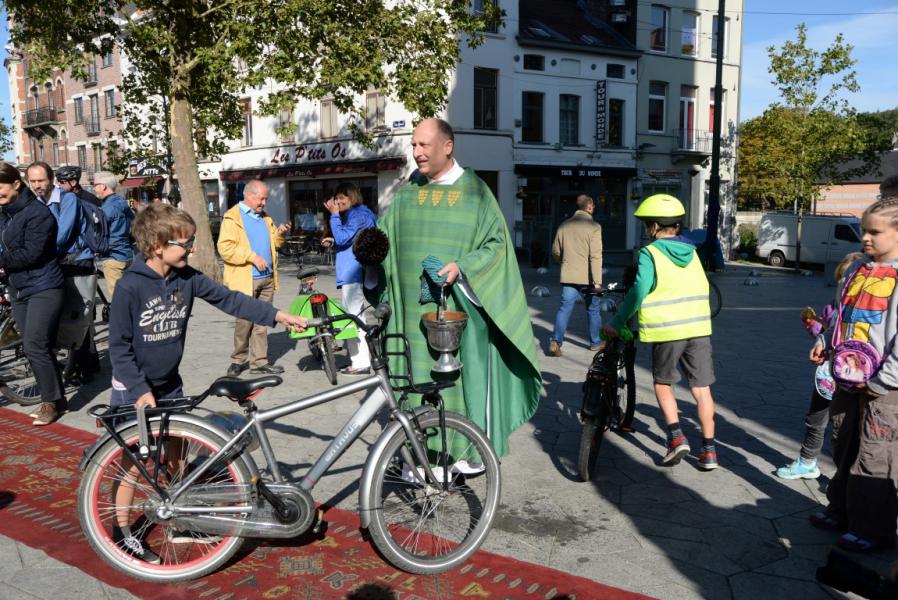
(234,248)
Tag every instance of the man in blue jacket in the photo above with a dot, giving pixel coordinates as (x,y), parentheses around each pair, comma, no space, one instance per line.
(120,216)
(77,263)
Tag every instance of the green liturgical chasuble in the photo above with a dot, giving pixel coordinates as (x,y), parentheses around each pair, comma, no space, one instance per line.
(499,385)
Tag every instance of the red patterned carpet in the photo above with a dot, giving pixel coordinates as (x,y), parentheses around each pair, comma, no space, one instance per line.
(39,477)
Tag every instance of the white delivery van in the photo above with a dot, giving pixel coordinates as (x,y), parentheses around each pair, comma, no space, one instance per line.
(824,238)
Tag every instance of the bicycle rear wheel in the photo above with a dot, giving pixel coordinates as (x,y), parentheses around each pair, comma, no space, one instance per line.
(714,298)
(425,528)
(183,555)
(592,431)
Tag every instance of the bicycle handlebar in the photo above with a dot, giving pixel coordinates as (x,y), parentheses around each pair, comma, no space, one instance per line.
(611,288)
(382,313)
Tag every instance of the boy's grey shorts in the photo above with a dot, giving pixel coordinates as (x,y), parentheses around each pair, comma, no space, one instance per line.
(695,356)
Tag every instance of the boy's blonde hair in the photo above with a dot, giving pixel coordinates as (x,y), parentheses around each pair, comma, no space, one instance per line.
(157,224)
(847,262)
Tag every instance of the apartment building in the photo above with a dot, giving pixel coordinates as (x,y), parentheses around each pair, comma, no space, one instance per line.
(676,103)
(543,111)
(66,121)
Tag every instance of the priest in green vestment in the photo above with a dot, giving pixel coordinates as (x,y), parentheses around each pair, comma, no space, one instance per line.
(449,213)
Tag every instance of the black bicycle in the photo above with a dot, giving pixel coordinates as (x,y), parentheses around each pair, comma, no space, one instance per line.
(609,392)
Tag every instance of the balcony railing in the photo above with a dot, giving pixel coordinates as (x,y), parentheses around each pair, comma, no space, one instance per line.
(40,116)
(694,140)
(92,125)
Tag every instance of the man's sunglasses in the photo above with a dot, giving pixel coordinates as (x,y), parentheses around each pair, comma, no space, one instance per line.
(188,245)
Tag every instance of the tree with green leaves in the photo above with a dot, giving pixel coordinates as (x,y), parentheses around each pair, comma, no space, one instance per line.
(800,144)
(201,56)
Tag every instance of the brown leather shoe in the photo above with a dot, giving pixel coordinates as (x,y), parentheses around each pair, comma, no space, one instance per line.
(597,347)
(554,349)
(46,414)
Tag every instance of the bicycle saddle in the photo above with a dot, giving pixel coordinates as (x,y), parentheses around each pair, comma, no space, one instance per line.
(240,389)
(307,272)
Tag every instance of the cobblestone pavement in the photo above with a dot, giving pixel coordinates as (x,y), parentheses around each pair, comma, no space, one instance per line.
(737,532)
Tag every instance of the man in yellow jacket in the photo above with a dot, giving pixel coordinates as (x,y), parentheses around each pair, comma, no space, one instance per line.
(248,244)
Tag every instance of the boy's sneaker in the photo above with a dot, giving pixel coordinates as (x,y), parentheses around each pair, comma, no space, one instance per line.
(797,470)
(192,537)
(133,546)
(708,460)
(676,450)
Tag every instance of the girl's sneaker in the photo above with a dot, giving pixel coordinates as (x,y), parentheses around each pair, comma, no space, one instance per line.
(133,546)
(797,470)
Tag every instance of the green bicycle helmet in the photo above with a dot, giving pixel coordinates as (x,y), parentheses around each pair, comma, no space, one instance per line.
(663,209)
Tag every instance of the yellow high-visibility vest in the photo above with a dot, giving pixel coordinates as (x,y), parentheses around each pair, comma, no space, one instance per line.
(678,307)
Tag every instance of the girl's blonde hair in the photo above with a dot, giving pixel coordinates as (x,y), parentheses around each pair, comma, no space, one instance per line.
(847,262)
(887,207)
(157,224)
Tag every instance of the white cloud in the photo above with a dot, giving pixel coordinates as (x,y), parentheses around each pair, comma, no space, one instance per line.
(875,45)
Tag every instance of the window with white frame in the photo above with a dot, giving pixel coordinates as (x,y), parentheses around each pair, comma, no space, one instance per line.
(657,101)
(375,110)
(82,157)
(689,34)
(532,116)
(246,112)
(329,127)
(285,121)
(478,8)
(659,24)
(712,109)
(486,83)
(109,101)
(107,59)
(569,120)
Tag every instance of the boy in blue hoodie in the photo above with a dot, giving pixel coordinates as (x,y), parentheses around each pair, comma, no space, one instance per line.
(670,295)
(148,327)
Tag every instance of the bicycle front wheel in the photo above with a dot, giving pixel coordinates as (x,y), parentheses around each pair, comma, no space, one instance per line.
(425,528)
(104,506)
(714,298)
(328,360)
(592,431)
(626,388)
(17,379)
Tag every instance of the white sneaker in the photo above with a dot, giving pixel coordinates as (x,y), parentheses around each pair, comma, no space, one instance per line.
(468,468)
(418,475)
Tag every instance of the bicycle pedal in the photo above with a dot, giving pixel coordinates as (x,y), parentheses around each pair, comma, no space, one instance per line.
(626,429)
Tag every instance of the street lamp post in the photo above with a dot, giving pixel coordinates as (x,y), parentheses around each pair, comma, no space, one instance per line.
(714,184)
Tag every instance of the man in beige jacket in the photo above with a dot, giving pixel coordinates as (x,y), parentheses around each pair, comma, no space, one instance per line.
(578,247)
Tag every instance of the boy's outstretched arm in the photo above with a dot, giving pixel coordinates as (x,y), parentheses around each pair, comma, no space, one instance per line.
(238,304)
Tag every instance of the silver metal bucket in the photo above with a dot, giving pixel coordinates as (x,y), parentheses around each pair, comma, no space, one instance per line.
(444,336)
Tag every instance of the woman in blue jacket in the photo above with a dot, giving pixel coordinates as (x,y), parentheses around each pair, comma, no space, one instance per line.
(28,256)
(348,217)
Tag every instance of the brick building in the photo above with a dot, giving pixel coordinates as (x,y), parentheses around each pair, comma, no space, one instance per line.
(65,121)
(855,195)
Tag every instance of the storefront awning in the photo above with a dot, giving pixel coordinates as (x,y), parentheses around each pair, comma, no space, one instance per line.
(573,171)
(131,182)
(316,169)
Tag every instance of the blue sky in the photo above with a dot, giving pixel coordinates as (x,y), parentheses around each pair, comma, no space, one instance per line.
(874,37)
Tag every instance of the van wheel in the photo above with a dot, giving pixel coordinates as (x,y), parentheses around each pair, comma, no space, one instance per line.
(776,259)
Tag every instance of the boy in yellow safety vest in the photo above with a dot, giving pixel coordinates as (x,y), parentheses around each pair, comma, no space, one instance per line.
(671,296)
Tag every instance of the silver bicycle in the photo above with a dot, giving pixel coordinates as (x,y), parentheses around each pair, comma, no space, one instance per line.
(427,496)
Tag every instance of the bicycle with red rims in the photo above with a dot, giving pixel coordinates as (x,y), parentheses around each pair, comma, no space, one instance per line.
(609,391)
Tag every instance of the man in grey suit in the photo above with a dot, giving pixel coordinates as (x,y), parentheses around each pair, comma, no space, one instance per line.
(578,247)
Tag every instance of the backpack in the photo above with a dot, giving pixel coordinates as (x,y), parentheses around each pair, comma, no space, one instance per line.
(96,228)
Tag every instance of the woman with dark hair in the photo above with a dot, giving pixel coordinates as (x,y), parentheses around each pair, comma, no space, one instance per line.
(28,256)
(348,217)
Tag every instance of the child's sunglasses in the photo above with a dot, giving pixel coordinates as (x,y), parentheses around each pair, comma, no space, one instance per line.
(188,245)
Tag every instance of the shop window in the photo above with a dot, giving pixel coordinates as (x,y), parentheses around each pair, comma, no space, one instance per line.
(485,98)
(534,62)
(658,31)
(569,120)
(246,111)
(657,100)
(532,121)
(615,122)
